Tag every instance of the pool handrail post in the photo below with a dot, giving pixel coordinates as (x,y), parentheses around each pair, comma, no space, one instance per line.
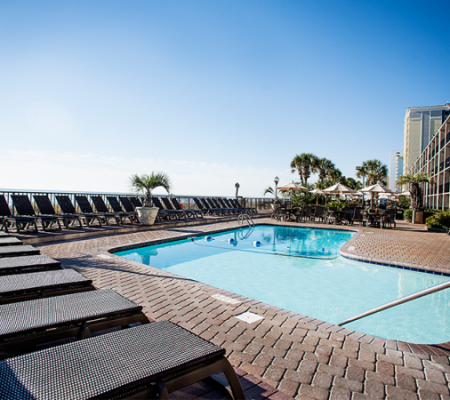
(394,303)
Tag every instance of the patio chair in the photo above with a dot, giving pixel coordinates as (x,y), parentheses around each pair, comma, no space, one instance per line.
(46,208)
(27,264)
(31,323)
(21,223)
(170,207)
(388,219)
(146,362)
(346,216)
(19,250)
(86,208)
(101,207)
(215,203)
(318,214)
(24,208)
(14,288)
(332,215)
(307,213)
(206,208)
(127,204)
(195,213)
(357,216)
(217,209)
(239,210)
(115,205)
(67,207)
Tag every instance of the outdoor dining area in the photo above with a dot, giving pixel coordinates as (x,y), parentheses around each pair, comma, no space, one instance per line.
(354,209)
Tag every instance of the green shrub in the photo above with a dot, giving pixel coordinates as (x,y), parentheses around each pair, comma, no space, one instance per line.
(441,219)
(428,212)
(408,215)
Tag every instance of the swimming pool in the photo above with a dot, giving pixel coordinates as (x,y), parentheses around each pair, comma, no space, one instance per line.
(300,270)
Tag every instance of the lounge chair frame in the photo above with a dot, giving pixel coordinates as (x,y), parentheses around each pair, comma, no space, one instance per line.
(46,208)
(67,207)
(86,208)
(22,224)
(24,208)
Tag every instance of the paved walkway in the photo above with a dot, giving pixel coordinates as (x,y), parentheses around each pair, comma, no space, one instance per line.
(300,356)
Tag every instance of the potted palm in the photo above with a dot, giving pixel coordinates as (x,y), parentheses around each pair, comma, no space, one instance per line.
(414,181)
(145,184)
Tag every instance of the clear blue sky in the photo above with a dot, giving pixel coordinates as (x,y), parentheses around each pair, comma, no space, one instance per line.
(211,92)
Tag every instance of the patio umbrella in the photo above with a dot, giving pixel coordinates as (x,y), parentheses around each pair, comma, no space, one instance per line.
(292,186)
(339,188)
(407,193)
(316,192)
(377,188)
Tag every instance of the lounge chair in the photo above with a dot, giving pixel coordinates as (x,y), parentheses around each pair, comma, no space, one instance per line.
(14,288)
(101,207)
(21,223)
(67,207)
(163,213)
(136,202)
(318,214)
(27,264)
(239,209)
(204,210)
(27,324)
(170,207)
(251,210)
(146,362)
(24,208)
(46,208)
(223,204)
(195,213)
(10,241)
(19,250)
(215,203)
(86,208)
(115,205)
(212,209)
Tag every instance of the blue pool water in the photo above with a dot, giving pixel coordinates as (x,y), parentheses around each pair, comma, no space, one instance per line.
(299,269)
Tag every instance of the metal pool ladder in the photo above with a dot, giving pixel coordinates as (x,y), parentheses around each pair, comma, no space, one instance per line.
(394,303)
(245,217)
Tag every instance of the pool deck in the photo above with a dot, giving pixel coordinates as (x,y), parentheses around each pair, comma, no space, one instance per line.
(284,352)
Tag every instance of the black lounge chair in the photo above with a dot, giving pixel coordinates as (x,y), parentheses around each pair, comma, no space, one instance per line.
(27,264)
(115,205)
(21,223)
(250,210)
(101,207)
(220,203)
(19,250)
(24,208)
(9,241)
(239,209)
(14,288)
(67,207)
(46,208)
(31,323)
(163,213)
(170,207)
(136,202)
(126,203)
(204,210)
(195,213)
(86,208)
(146,362)
(211,208)
(215,205)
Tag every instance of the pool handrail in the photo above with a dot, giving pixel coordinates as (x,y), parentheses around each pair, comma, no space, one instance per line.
(394,303)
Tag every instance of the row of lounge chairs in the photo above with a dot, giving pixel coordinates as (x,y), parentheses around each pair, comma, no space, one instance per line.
(122,212)
(60,337)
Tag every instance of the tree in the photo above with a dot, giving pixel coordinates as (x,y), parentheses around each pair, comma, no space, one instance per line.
(304,164)
(325,168)
(146,183)
(269,190)
(375,171)
(413,182)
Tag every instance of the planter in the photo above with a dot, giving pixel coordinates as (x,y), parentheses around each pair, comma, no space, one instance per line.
(147,215)
(418,216)
(437,230)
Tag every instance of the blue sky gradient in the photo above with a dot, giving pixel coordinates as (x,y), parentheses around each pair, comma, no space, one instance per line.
(212,93)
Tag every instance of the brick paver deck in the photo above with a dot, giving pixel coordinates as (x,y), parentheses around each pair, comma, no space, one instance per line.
(300,356)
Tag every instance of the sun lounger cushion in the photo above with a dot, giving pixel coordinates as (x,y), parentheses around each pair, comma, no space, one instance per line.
(19,250)
(10,241)
(106,365)
(17,265)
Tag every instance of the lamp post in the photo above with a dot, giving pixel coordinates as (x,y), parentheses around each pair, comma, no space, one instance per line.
(276,180)
(363,176)
(237,189)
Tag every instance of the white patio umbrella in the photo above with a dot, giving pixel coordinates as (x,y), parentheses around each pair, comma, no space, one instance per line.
(377,188)
(407,193)
(292,186)
(339,188)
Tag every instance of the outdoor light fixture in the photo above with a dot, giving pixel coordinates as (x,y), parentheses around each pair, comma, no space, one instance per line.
(276,180)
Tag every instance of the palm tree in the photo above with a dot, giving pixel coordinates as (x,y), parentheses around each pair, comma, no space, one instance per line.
(413,182)
(375,171)
(146,183)
(269,190)
(325,168)
(304,164)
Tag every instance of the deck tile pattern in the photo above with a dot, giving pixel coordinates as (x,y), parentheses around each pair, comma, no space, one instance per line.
(294,355)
